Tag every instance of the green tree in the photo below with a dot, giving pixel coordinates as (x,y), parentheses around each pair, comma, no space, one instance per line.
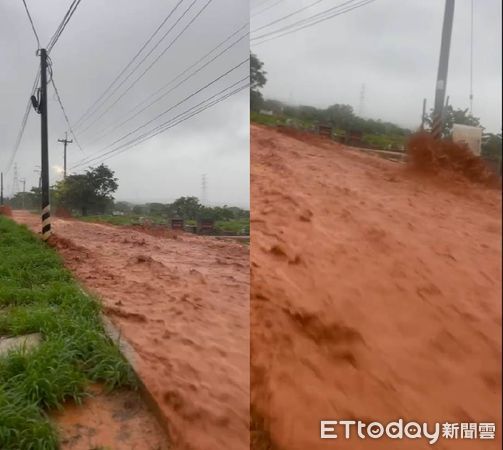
(452,116)
(157,209)
(491,146)
(257,81)
(186,208)
(90,192)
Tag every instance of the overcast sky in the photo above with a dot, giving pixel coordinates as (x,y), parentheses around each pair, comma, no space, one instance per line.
(99,41)
(390,46)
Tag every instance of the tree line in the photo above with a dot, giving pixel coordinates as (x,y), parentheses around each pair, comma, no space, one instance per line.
(342,117)
(92,193)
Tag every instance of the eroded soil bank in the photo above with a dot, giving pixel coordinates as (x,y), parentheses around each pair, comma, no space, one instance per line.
(182,303)
(376,295)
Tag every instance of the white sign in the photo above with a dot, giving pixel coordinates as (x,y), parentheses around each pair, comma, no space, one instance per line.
(471,136)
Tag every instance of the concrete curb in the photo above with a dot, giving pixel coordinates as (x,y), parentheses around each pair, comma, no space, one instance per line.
(129,354)
(131,357)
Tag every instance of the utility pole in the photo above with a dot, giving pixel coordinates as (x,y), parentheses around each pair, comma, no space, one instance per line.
(46,208)
(443,66)
(1,188)
(65,141)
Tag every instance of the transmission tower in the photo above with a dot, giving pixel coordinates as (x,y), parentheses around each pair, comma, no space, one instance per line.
(204,185)
(361,108)
(15,181)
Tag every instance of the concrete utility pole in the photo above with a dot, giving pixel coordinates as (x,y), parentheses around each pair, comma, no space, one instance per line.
(443,66)
(1,188)
(46,208)
(65,141)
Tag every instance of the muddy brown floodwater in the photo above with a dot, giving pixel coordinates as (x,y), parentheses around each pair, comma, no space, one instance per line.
(182,303)
(376,295)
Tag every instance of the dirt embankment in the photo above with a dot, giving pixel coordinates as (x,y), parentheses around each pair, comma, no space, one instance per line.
(183,305)
(376,295)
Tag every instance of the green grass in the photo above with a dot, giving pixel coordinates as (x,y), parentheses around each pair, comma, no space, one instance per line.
(272,121)
(233,226)
(37,294)
(384,141)
(265,119)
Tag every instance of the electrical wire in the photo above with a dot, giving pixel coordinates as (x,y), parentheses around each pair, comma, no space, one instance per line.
(266,9)
(32,24)
(134,115)
(126,91)
(181,101)
(252,8)
(309,24)
(281,19)
(62,25)
(134,70)
(23,125)
(66,115)
(131,61)
(176,105)
(173,124)
(190,112)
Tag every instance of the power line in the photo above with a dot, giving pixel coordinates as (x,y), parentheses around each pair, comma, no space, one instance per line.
(177,104)
(62,25)
(172,123)
(65,115)
(32,24)
(133,59)
(23,124)
(131,117)
(306,20)
(309,24)
(184,100)
(281,19)
(104,132)
(259,4)
(151,65)
(109,96)
(266,9)
(156,130)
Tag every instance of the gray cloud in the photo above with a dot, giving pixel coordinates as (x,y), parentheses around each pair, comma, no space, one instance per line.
(390,46)
(99,40)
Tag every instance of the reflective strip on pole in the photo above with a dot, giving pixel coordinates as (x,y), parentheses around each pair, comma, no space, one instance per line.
(46,222)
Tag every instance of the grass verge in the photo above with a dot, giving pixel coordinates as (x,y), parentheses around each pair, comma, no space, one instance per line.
(37,294)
